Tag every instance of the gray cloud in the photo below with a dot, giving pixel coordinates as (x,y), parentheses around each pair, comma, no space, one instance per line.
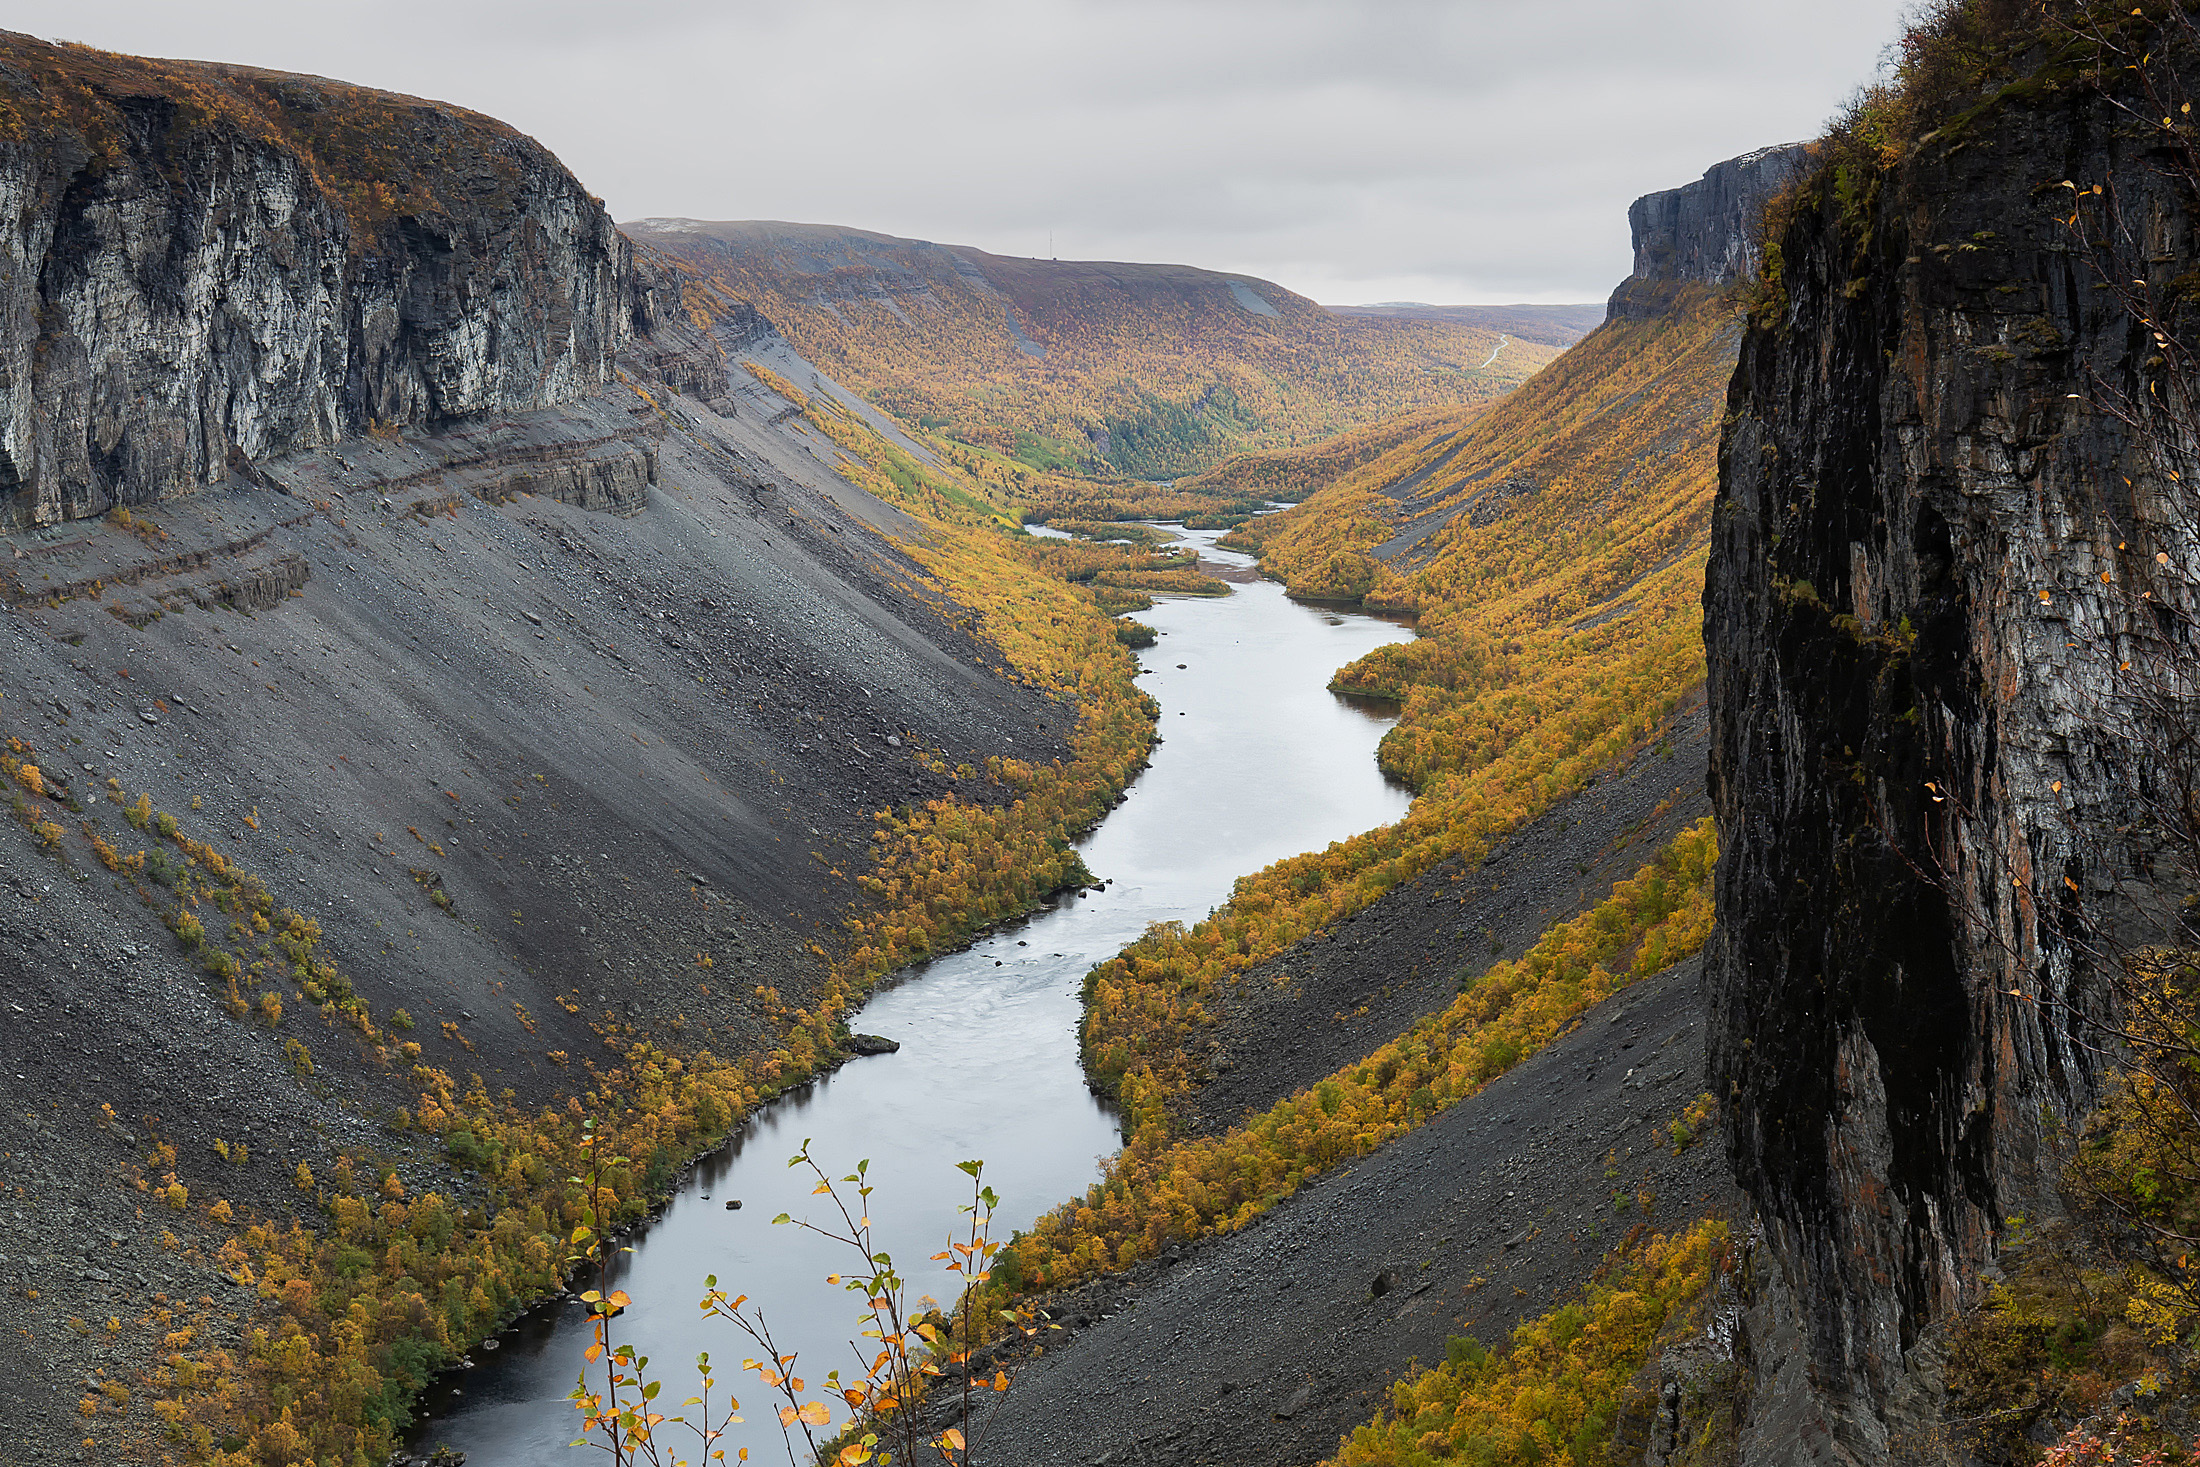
(1411,149)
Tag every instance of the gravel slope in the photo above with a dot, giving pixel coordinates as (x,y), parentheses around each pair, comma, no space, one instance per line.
(1267,1345)
(636,739)
(1342,993)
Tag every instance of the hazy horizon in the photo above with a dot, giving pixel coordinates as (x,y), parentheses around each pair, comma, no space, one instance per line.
(1437,153)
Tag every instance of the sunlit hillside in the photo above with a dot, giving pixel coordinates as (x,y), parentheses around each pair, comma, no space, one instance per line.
(1148,370)
(1552,548)
(1552,543)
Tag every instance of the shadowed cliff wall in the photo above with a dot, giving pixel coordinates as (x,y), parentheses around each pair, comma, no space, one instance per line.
(1923,755)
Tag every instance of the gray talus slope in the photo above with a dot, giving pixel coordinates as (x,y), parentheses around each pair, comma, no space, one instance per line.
(1269,1344)
(616,740)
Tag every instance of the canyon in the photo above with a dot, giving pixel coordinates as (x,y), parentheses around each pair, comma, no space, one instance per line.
(474,672)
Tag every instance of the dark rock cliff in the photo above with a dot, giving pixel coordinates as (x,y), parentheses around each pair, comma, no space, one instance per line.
(207,265)
(1921,746)
(1703,233)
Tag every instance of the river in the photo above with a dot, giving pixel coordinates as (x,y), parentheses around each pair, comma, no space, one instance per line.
(1257,761)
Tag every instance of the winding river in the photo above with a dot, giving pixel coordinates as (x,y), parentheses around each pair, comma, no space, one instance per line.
(1257,761)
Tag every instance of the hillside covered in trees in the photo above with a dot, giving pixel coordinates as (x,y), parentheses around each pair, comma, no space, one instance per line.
(1151,371)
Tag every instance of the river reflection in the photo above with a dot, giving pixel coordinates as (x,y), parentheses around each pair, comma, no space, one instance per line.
(1258,761)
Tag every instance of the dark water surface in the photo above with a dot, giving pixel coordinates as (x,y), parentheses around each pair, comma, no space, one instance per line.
(1258,761)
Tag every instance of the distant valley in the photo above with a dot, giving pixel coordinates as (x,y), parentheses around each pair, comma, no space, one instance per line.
(1151,371)
(492,695)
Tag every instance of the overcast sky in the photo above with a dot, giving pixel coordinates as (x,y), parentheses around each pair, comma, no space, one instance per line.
(1477,150)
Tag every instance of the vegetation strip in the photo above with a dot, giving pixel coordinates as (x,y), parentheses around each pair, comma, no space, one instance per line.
(1158,1190)
(1556,1394)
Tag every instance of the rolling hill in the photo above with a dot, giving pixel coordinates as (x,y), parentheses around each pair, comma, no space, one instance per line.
(1551,325)
(1148,370)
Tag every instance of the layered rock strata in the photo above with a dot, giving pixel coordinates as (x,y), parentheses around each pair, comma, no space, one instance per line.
(205,266)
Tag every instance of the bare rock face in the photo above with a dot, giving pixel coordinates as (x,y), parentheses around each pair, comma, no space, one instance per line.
(1920,587)
(1706,232)
(209,265)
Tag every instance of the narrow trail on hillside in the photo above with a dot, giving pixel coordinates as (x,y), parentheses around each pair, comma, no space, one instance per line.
(1502,343)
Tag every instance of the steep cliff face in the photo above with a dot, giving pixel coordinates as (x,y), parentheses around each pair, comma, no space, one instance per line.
(1926,556)
(1702,233)
(207,265)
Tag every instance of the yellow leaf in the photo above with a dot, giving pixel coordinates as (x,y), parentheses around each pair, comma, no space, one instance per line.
(593,1353)
(786,1415)
(952,1439)
(817,1413)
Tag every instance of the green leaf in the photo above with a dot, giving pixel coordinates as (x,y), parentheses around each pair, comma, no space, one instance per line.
(782,1218)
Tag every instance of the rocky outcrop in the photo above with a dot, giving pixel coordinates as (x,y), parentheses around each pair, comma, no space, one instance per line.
(1706,232)
(665,343)
(1930,554)
(210,265)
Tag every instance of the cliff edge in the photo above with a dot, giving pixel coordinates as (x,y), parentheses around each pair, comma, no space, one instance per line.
(1927,563)
(1702,233)
(209,265)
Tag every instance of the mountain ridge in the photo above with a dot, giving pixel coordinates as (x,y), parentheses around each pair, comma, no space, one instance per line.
(1115,368)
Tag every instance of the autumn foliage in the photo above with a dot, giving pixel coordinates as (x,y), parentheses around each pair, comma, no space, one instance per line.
(1158,1189)
(1555,639)
(1150,370)
(1554,1395)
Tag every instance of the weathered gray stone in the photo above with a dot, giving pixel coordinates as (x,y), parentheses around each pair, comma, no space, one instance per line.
(197,274)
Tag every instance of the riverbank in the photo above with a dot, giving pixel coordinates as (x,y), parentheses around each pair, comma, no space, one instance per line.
(1268,1344)
(1338,995)
(1262,761)
(1326,1003)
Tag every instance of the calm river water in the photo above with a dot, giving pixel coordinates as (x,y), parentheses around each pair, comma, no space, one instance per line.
(1258,761)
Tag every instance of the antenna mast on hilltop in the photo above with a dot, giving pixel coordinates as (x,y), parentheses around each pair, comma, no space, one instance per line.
(1050,246)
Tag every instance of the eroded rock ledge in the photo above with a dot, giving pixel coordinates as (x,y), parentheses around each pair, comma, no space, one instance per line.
(207,266)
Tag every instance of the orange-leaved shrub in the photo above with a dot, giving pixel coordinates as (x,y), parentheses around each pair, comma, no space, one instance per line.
(1159,1189)
(1554,1395)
